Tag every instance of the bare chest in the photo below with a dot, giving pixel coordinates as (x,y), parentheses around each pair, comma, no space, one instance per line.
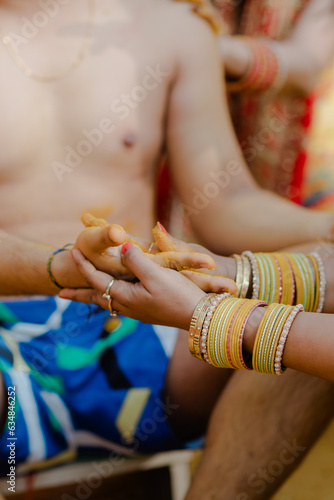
(109,110)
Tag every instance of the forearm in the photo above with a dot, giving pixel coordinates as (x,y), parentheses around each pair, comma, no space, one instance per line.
(258,220)
(226,266)
(237,59)
(23,268)
(310,344)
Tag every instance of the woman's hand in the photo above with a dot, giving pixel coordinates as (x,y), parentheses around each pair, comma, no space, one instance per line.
(223,266)
(162,296)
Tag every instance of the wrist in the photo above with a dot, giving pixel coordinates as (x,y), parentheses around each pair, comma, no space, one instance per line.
(236,56)
(252,328)
(189,309)
(66,272)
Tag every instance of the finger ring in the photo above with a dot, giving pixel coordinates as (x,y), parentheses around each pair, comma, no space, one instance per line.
(106,294)
(113,314)
(151,248)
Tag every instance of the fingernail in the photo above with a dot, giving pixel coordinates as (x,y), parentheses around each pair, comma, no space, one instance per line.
(126,247)
(162,228)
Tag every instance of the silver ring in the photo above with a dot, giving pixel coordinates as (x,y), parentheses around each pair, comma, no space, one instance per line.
(106,294)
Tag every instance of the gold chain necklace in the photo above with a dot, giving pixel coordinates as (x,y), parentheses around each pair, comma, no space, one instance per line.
(83,51)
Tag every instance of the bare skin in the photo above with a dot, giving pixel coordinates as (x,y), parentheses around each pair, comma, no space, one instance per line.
(42,202)
(305,59)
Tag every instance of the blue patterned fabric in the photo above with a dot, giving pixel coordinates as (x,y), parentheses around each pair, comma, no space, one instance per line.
(83,380)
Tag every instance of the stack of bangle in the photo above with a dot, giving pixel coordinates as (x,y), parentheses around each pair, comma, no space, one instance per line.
(199,323)
(218,326)
(268,69)
(271,337)
(225,332)
(283,278)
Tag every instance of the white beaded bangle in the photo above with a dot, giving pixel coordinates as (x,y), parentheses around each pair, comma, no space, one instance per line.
(256,274)
(322,279)
(279,368)
(215,301)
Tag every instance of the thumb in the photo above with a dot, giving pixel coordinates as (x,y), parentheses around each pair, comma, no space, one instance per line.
(140,264)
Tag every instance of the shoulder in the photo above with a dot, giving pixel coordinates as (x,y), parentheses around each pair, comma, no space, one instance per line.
(190,31)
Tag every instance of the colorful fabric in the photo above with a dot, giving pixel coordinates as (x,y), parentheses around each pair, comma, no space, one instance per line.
(83,380)
(271,130)
(318,182)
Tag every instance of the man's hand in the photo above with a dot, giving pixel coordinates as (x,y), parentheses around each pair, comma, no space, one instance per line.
(101,244)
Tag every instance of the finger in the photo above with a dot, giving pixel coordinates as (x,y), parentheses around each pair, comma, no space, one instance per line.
(140,264)
(99,239)
(96,279)
(144,245)
(207,283)
(85,295)
(90,221)
(166,243)
(183,261)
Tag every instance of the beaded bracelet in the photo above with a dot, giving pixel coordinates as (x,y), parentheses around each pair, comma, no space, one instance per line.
(48,265)
(196,325)
(279,368)
(256,274)
(219,322)
(215,301)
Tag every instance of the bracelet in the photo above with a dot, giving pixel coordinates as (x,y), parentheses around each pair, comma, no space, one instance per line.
(247,273)
(239,273)
(282,66)
(215,301)
(281,278)
(322,281)
(48,266)
(279,368)
(256,274)
(196,325)
(226,332)
(266,70)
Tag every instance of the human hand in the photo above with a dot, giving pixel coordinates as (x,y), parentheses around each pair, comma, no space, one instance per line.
(101,244)
(224,266)
(162,296)
(236,56)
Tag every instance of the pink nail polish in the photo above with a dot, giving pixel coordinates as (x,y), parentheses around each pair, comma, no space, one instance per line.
(162,228)
(126,247)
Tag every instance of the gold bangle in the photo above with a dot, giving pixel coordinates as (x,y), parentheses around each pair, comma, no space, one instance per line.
(239,274)
(247,272)
(195,328)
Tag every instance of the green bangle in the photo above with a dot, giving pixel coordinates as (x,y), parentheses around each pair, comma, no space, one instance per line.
(48,266)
